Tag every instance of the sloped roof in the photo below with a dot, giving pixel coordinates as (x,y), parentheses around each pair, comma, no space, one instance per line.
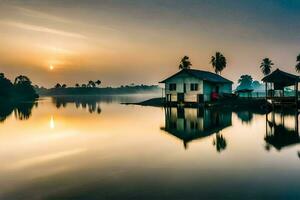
(202,75)
(281,77)
(188,136)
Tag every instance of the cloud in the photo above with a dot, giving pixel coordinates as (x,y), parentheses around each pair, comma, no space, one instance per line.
(43,15)
(43,29)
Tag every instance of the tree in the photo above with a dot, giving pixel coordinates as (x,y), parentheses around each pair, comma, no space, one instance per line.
(91,84)
(246,80)
(98,82)
(218,62)
(266,66)
(83,85)
(22,80)
(185,63)
(77,85)
(23,88)
(57,85)
(298,64)
(64,86)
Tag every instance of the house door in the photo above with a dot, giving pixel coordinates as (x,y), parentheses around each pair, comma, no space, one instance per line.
(217,89)
(180,97)
(200,98)
(184,88)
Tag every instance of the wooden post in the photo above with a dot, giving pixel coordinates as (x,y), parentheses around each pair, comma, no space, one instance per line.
(296,122)
(266,90)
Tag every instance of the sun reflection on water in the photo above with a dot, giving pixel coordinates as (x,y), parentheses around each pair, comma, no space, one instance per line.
(52,123)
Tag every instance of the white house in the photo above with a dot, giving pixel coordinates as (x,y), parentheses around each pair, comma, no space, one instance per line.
(195,86)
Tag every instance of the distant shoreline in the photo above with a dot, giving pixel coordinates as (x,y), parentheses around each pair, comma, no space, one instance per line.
(98,91)
(259,103)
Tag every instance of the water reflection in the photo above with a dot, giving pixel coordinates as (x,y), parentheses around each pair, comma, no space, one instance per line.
(245,116)
(220,143)
(281,129)
(22,111)
(190,124)
(81,102)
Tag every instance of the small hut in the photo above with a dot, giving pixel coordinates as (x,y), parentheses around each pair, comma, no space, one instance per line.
(275,84)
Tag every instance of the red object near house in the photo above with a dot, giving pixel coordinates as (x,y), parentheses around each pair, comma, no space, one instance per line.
(214,96)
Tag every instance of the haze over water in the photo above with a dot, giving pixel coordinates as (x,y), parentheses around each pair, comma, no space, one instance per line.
(97,148)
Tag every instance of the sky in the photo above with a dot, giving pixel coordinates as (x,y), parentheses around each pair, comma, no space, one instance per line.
(137,41)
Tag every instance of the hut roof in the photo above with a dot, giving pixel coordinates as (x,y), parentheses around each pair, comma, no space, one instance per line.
(282,78)
(202,75)
(282,137)
(246,90)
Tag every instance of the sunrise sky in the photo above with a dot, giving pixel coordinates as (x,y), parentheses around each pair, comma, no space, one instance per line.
(126,41)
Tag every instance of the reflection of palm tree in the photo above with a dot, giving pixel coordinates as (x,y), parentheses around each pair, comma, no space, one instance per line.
(220,142)
(89,104)
(5,111)
(266,66)
(23,111)
(218,62)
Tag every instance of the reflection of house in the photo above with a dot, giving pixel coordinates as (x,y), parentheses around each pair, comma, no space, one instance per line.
(278,134)
(195,86)
(189,124)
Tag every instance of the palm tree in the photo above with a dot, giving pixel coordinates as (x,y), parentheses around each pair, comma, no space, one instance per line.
(218,62)
(298,64)
(91,84)
(98,82)
(266,66)
(57,85)
(77,85)
(64,86)
(185,63)
(22,80)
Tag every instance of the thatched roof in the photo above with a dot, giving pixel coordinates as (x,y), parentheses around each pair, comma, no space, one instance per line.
(281,78)
(202,75)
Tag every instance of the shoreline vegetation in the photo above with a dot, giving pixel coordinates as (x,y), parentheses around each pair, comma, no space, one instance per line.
(77,91)
(21,90)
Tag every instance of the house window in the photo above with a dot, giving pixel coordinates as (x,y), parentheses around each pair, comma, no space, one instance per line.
(194,86)
(172,87)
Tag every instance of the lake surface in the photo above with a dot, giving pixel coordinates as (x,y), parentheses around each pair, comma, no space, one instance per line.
(96,148)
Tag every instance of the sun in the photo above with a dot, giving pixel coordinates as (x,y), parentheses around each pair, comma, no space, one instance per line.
(51,67)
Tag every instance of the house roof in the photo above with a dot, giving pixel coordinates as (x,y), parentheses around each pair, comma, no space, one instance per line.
(202,75)
(188,136)
(281,77)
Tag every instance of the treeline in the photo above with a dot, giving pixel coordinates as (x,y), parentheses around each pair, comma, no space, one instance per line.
(20,89)
(92,88)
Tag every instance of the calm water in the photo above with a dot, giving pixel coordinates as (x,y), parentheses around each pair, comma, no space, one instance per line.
(97,148)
